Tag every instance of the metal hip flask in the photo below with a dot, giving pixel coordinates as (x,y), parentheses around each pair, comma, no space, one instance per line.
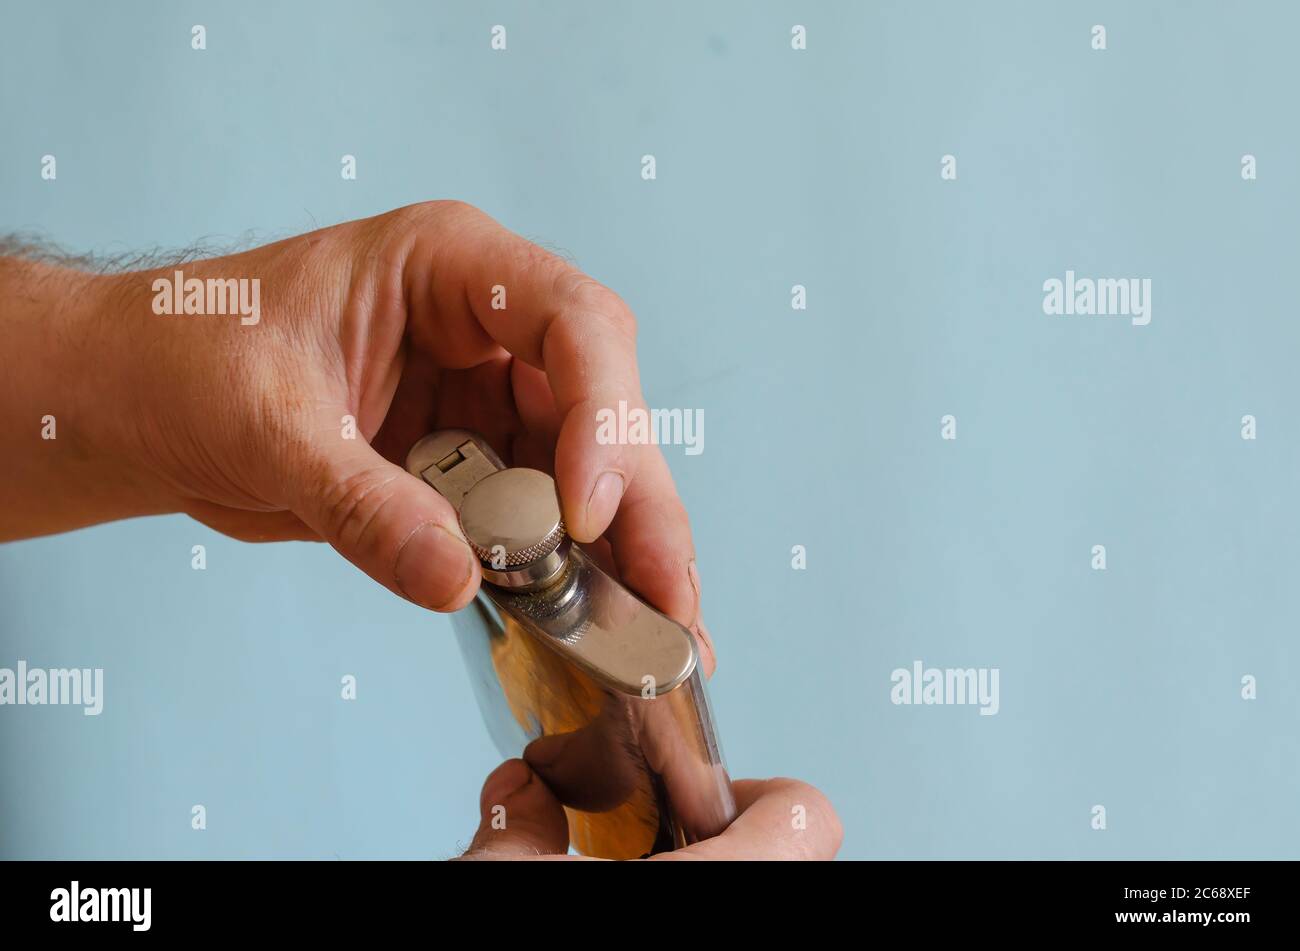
(599,693)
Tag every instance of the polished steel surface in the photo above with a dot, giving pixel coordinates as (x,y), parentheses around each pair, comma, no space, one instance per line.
(511,519)
(513,515)
(598,692)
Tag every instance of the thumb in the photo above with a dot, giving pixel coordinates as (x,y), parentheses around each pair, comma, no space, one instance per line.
(520,817)
(388,523)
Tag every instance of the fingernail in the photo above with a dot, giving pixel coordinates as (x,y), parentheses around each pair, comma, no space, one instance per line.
(709,656)
(434,567)
(603,502)
(502,783)
(693,575)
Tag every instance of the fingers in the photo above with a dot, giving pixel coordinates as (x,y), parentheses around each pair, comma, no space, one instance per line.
(473,285)
(779,819)
(652,546)
(386,522)
(651,535)
(534,401)
(486,280)
(519,818)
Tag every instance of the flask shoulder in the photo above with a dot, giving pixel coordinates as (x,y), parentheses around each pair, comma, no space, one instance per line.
(598,624)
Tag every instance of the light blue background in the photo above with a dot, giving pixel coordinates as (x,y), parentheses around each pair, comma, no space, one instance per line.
(775,167)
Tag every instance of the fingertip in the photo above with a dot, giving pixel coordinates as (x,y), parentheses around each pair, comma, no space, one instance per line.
(817,831)
(436,568)
(601,505)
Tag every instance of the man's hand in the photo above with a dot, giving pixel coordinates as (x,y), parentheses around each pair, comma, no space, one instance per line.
(385,328)
(779,819)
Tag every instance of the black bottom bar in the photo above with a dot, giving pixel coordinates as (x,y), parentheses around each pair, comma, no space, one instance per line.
(1178,900)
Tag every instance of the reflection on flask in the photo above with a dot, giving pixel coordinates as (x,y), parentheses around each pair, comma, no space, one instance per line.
(598,692)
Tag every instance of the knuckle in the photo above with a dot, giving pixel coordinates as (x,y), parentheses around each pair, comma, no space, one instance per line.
(589,298)
(443,209)
(536,261)
(351,509)
(456,209)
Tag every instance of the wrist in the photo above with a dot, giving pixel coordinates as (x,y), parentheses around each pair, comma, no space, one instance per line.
(65,421)
(115,382)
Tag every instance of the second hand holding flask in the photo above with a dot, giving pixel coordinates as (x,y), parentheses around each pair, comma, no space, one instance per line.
(599,693)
